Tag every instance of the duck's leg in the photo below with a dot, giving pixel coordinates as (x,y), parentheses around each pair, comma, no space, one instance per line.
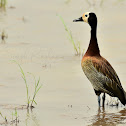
(98,94)
(103,98)
(99,100)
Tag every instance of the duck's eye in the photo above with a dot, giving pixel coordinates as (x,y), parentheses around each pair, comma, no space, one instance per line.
(86,15)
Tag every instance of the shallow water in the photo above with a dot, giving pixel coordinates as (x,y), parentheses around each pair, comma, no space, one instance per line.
(38,41)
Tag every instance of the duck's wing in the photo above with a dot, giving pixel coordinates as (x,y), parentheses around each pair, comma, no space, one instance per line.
(103,77)
(104,67)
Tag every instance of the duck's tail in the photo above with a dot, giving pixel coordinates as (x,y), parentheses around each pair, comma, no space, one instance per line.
(125,97)
(122,97)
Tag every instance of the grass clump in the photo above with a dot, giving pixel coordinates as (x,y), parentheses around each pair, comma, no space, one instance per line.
(70,38)
(37,87)
(26,85)
(15,118)
(3,3)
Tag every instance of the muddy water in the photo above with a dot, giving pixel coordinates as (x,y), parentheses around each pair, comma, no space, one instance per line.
(38,41)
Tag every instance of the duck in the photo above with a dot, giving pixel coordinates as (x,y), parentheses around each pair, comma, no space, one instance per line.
(97,69)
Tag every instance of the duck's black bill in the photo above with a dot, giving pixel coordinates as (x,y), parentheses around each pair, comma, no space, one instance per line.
(79,19)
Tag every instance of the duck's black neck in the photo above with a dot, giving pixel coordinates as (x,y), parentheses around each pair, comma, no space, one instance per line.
(93,49)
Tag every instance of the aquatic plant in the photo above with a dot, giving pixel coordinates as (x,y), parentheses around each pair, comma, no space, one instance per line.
(16,119)
(3,3)
(4,117)
(37,87)
(67,1)
(25,81)
(70,38)
(13,121)
(3,36)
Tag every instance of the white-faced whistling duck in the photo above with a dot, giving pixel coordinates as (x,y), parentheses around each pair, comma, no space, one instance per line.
(97,69)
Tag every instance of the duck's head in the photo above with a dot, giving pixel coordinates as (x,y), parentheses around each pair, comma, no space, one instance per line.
(89,18)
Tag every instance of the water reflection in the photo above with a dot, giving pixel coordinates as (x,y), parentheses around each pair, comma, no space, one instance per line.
(105,118)
(31,117)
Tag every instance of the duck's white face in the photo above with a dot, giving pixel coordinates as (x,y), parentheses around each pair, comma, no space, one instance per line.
(88,17)
(85,17)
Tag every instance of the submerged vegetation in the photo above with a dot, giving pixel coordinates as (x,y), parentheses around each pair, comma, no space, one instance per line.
(37,87)
(76,45)
(14,120)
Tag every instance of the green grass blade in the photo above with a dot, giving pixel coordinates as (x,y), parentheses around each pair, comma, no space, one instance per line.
(70,37)
(35,102)
(38,89)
